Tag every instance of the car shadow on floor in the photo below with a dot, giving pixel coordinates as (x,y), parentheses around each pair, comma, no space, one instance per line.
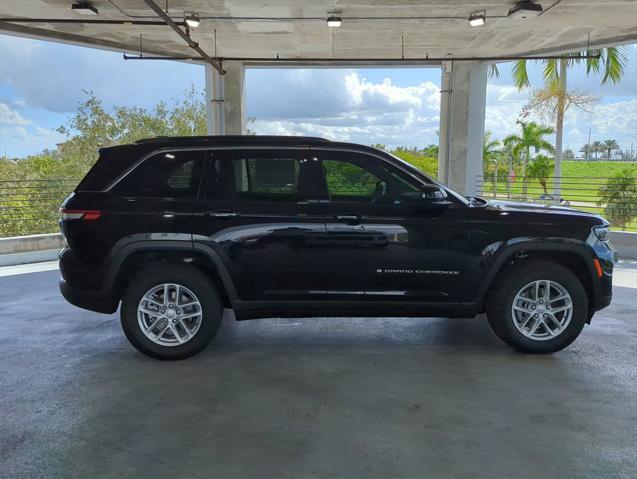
(308,332)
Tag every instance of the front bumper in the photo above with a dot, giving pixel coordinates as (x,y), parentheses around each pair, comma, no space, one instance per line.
(93,300)
(606,254)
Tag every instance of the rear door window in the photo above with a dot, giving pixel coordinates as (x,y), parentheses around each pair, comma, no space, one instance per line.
(175,174)
(276,176)
(267,178)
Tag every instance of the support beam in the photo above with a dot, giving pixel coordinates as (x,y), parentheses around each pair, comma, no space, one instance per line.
(185,35)
(462,106)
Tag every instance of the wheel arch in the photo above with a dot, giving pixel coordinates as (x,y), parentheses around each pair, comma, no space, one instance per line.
(573,256)
(131,257)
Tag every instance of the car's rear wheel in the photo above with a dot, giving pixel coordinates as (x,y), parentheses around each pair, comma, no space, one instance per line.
(171,311)
(537,307)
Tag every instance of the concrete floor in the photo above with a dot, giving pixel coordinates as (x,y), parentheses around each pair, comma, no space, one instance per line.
(310,398)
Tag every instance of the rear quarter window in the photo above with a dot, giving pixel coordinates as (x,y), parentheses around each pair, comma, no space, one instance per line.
(112,162)
(165,175)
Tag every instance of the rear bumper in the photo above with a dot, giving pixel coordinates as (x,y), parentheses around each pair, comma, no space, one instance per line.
(88,299)
(602,301)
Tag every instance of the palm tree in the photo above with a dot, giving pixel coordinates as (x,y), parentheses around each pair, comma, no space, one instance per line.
(568,155)
(490,152)
(609,146)
(586,149)
(619,197)
(540,169)
(532,137)
(610,61)
(511,158)
(596,147)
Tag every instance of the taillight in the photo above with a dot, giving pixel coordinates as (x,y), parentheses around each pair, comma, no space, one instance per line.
(85,215)
(598,268)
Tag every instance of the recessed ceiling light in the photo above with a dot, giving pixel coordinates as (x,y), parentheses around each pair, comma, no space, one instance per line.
(524,10)
(477,19)
(192,19)
(334,20)
(84,8)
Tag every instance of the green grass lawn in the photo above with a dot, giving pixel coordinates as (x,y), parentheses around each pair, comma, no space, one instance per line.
(580,185)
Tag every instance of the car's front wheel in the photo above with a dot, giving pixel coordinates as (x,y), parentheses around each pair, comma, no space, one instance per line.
(538,307)
(171,311)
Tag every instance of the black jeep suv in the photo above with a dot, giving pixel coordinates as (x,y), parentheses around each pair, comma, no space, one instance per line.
(176,229)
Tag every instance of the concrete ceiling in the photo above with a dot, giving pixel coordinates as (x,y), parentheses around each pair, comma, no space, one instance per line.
(563,26)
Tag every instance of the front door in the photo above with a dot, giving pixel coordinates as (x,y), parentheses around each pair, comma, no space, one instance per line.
(386,248)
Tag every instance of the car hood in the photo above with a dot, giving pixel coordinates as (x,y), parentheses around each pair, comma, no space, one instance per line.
(539,208)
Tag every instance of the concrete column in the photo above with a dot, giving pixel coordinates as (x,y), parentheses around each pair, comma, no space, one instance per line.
(462,105)
(214,102)
(225,100)
(234,96)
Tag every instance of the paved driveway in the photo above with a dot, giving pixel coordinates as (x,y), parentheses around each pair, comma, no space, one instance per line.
(311,398)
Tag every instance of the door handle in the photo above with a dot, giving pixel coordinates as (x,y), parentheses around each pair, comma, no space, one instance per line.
(349,218)
(223,214)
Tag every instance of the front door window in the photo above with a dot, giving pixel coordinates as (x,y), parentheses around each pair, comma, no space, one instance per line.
(356,179)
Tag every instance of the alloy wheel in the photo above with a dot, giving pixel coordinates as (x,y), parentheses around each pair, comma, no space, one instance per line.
(169,314)
(542,310)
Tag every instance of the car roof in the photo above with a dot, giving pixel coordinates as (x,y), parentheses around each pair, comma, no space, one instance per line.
(231,139)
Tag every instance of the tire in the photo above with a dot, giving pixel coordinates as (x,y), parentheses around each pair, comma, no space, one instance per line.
(191,283)
(523,279)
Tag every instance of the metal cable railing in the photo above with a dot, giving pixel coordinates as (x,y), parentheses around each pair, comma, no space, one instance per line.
(614,200)
(31,206)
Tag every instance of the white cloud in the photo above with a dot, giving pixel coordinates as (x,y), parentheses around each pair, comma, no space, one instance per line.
(11,117)
(614,118)
(17,131)
(505,93)
(342,105)
(54,77)
(397,108)
(366,94)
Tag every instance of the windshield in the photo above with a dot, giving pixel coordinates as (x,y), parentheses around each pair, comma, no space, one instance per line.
(420,173)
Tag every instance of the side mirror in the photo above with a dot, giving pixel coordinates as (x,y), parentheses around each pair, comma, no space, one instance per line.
(432,193)
(433,197)
(430,197)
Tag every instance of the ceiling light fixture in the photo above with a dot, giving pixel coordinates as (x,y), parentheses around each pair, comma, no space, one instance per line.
(524,10)
(192,19)
(334,20)
(84,8)
(477,19)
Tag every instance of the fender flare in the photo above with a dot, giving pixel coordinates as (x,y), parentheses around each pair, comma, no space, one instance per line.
(531,245)
(118,258)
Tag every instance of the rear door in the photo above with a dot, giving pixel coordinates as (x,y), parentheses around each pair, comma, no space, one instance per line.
(155,200)
(262,210)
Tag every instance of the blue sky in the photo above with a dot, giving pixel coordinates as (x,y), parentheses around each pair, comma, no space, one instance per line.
(41,84)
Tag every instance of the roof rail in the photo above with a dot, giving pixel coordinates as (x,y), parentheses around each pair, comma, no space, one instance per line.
(226,138)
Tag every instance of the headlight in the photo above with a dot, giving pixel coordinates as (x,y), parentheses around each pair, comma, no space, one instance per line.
(601,232)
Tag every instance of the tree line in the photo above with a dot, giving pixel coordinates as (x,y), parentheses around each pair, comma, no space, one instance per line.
(527,154)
